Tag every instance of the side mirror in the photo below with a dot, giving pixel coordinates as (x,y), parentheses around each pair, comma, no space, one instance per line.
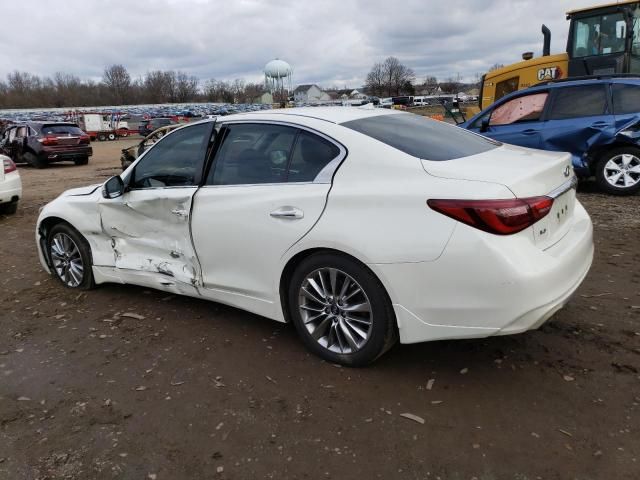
(113,188)
(484,125)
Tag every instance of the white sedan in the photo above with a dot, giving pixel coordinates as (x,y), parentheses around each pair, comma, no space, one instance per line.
(10,186)
(360,226)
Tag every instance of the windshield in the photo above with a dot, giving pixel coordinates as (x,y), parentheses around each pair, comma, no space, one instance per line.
(600,35)
(423,138)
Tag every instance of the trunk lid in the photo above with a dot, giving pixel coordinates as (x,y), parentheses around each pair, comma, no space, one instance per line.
(527,173)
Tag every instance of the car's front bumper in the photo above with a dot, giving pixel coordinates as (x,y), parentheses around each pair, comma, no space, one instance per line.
(11,188)
(485,285)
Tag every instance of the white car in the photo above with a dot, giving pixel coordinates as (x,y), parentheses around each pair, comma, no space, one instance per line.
(10,186)
(360,226)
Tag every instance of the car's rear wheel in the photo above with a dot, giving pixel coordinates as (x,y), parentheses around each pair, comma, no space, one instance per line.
(34,160)
(341,310)
(618,171)
(70,257)
(81,161)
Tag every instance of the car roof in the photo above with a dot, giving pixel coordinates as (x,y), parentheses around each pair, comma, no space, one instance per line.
(328,114)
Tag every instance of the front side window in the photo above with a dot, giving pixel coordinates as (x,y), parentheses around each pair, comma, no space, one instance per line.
(527,108)
(598,35)
(575,102)
(175,161)
(626,98)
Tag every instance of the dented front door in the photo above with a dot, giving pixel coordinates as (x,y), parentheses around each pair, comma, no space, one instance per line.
(149,226)
(149,232)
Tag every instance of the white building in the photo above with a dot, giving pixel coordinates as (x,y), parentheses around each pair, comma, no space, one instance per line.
(310,94)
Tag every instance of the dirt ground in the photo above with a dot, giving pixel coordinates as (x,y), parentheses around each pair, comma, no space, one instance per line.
(197,390)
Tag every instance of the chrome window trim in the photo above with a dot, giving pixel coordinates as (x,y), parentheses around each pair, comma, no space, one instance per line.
(324,176)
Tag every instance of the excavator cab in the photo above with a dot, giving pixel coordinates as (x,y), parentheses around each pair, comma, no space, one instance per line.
(604,40)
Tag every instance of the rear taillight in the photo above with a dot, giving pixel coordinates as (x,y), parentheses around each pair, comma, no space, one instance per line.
(85,139)
(9,166)
(502,217)
(48,140)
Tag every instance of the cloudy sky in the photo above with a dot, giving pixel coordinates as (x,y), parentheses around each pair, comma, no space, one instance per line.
(330,42)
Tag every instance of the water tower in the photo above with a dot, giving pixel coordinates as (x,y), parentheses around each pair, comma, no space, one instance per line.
(277,78)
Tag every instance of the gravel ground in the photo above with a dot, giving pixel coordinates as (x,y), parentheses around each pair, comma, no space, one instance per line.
(129,383)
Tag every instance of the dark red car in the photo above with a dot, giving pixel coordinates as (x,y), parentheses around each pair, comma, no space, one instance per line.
(42,143)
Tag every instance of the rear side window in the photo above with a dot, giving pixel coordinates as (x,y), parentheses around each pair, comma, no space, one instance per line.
(626,99)
(574,102)
(421,137)
(310,155)
(253,154)
(259,153)
(61,130)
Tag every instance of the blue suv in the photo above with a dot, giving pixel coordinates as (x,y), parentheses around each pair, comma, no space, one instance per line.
(596,120)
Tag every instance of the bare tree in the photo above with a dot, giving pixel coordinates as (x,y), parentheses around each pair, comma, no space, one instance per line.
(186,87)
(117,81)
(375,82)
(390,78)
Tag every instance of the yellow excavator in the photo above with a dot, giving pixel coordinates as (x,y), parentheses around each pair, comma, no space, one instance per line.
(603,40)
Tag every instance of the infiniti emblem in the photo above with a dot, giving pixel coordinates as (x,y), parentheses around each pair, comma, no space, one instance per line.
(567,171)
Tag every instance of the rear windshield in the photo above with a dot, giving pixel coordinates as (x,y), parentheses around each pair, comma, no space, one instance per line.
(61,130)
(421,137)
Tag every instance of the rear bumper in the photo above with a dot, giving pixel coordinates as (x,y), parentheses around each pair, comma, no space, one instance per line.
(57,154)
(485,285)
(11,188)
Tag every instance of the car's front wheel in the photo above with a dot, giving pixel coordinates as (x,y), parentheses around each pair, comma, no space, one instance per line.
(70,257)
(341,310)
(618,171)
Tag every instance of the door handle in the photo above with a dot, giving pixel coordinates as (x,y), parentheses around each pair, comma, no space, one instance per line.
(599,125)
(529,131)
(287,212)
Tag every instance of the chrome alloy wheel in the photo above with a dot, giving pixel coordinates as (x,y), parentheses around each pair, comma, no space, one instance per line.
(335,310)
(623,171)
(66,260)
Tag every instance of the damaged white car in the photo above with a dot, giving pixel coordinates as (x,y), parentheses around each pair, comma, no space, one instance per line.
(359,226)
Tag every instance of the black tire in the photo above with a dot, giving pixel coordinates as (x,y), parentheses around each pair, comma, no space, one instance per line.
(102,137)
(86,279)
(382,331)
(124,132)
(111,136)
(604,172)
(81,161)
(34,160)
(9,208)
